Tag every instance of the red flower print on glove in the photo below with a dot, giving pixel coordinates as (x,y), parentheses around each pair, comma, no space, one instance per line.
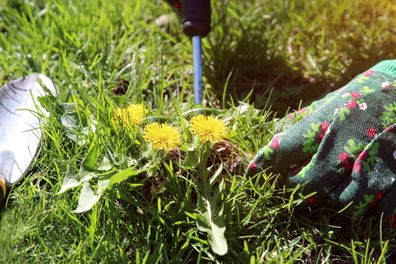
(357,167)
(362,156)
(275,144)
(252,165)
(368,73)
(356,95)
(351,104)
(371,132)
(346,161)
(324,126)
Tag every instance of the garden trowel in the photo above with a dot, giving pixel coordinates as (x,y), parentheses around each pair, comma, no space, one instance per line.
(20,131)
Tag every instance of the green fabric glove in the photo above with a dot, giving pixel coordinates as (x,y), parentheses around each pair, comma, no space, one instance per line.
(343,147)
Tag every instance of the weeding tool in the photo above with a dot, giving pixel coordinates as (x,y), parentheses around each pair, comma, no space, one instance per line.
(196,25)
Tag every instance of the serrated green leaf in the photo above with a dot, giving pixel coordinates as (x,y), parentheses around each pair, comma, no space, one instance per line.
(192,160)
(69,182)
(72,181)
(103,186)
(87,199)
(211,221)
(90,161)
(214,228)
(74,123)
(105,165)
(123,175)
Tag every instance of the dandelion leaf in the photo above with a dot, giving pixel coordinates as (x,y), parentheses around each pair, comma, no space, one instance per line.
(69,182)
(87,169)
(88,198)
(72,181)
(211,221)
(105,165)
(90,161)
(192,159)
(75,123)
(123,175)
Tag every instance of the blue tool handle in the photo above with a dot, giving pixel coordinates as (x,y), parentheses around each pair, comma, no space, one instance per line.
(197,57)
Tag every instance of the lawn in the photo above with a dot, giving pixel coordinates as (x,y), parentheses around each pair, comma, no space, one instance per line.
(262,59)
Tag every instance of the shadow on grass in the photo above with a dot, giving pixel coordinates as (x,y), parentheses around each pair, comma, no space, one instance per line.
(290,53)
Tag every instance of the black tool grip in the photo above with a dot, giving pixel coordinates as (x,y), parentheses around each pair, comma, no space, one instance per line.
(196,17)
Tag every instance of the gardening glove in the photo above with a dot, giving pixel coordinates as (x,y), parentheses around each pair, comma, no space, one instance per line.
(343,147)
(20,131)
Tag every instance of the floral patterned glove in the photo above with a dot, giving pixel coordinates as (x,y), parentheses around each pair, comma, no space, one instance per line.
(344,146)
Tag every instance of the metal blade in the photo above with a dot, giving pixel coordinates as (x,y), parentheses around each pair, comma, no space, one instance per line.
(20,131)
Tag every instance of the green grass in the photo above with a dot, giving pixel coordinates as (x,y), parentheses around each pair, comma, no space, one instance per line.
(300,48)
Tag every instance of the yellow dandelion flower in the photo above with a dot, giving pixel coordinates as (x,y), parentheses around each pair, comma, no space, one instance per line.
(208,128)
(162,136)
(129,116)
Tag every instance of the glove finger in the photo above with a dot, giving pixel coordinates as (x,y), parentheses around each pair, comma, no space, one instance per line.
(333,162)
(372,178)
(387,150)
(295,147)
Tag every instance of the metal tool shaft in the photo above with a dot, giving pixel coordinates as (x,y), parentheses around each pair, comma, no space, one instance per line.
(197,57)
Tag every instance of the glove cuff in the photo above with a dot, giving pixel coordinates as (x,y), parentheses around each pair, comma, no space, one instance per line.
(387,67)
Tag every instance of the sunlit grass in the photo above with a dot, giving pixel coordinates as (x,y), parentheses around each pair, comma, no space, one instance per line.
(91,47)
